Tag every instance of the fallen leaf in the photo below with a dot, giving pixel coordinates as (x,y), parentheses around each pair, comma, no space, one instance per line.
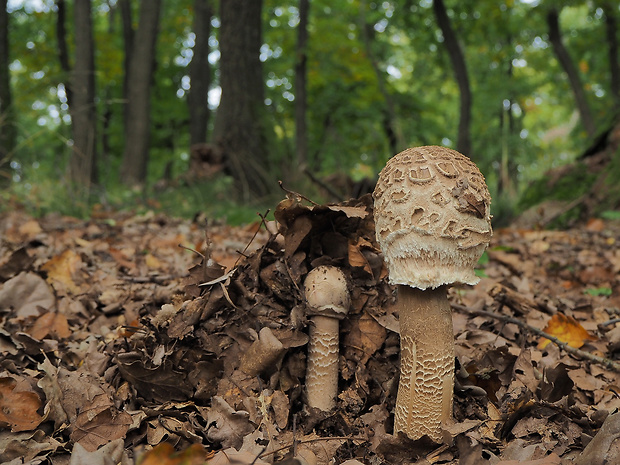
(365,337)
(26,446)
(62,269)
(25,293)
(18,409)
(566,329)
(165,454)
(50,324)
(231,456)
(226,425)
(92,430)
(356,257)
(111,453)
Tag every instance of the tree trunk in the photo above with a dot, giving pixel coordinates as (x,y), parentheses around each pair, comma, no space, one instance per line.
(390,120)
(63,50)
(571,72)
(301,101)
(128,33)
(141,67)
(7,123)
(200,74)
(463,143)
(82,167)
(239,124)
(611,26)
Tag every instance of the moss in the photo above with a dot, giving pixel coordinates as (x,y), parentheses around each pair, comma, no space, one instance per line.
(570,186)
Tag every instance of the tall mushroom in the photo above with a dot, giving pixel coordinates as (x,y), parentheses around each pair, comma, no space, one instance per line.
(433,222)
(327,301)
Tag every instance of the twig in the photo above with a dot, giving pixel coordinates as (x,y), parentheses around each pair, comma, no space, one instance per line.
(296,194)
(606,362)
(324,185)
(242,252)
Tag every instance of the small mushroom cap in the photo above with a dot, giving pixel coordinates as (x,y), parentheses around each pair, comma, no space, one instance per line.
(326,291)
(432,217)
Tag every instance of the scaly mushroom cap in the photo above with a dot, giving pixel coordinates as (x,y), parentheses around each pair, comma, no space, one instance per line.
(432,217)
(326,291)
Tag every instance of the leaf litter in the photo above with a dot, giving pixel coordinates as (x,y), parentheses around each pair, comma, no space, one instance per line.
(119,346)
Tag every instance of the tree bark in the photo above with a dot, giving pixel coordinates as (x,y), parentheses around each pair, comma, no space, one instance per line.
(128,34)
(200,73)
(141,67)
(82,166)
(240,120)
(611,26)
(63,50)
(571,71)
(301,101)
(463,143)
(390,119)
(7,123)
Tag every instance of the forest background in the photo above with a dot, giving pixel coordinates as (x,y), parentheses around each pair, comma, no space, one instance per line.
(202,106)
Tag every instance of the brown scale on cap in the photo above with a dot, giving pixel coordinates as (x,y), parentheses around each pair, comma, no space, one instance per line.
(433,222)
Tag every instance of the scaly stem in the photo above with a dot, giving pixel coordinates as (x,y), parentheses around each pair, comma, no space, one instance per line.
(322,365)
(426,385)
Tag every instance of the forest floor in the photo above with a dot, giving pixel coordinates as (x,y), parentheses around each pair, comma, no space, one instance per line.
(114,340)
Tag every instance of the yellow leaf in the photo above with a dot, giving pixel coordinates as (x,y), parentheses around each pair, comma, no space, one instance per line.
(566,329)
(165,454)
(62,269)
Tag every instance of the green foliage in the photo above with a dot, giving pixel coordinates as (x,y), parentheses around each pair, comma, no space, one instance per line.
(598,291)
(372,66)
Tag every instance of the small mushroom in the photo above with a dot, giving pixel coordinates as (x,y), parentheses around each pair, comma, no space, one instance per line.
(327,300)
(433,222)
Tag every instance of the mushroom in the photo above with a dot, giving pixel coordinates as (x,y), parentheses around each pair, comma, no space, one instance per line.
(327,301)
(433,222)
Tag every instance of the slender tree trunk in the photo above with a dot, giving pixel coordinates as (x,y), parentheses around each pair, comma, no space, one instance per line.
(240,121)
(128,34)
(200,73)
(463,143)
(301,101)
(82,166)
(7,123)
(611,26)
(571,72)
(390,119)
(141,67)
(63,50)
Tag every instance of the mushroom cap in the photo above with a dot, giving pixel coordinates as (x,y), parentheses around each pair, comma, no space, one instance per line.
(432,217)
(327,292)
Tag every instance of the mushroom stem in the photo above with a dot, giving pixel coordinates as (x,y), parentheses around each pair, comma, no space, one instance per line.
(322,369)
(426,384)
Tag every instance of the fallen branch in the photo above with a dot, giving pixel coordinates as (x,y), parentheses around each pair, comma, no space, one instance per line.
(606,362)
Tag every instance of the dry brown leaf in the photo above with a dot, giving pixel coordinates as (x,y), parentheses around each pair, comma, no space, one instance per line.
(356,257)
(26,293)
(226,425)
(365,337)
(92,430)
(50,324)
(566,329)
(18,408)
(62,270)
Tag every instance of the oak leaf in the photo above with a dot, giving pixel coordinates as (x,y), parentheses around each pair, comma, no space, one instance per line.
(18,409)
(566,329)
